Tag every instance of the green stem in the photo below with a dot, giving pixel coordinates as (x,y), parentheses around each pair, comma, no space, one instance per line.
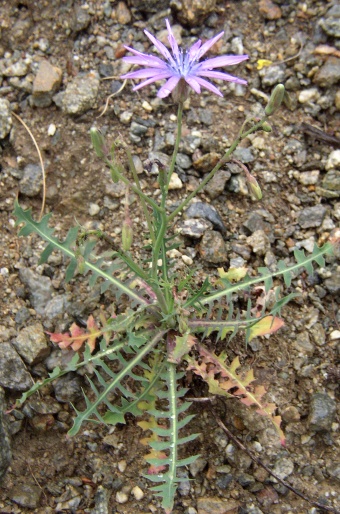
(177,142)
(143,202)
(220,163)
(134,188)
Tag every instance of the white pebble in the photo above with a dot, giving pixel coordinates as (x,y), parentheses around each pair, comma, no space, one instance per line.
(121,497)
(125,117)
(333,160)
(122,465)
(307,95)
(334,335)
(51,129)
(146,106)
(94,209)
(137,493)
(187,260)
(175,182)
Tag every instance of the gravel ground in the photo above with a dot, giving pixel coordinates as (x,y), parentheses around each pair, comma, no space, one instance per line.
(55,59)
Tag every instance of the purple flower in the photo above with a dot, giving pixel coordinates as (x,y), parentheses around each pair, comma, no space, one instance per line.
(181,65)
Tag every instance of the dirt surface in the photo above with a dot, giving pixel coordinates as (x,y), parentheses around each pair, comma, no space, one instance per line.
(293,366)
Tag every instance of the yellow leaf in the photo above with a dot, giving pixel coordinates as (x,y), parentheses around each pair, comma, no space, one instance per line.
(235,274)
(262,63)
(267,325)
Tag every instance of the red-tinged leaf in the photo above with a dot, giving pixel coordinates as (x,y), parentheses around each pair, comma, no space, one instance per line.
(179,345)
(267,325)
(78,336)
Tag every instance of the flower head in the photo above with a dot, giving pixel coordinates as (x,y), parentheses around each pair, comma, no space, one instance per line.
(181,67)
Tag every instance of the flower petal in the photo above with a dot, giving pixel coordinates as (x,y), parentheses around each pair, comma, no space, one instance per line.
(143,59)
(160,76)
(221,76)
(193,84)
(194,49)
(223,60)
(208,85)
(144,73)
(208,44)
(172,40)
(160,47)
(168,87)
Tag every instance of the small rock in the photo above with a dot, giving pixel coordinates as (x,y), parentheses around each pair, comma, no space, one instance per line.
(46,84)
(26,495)
(68,389)
(183,161)
(40,288)
(312,216)
(331,181)
(175,182)
(269,10)
(215,505)
(331,22)
(207,162)
(332,284)
(318,334)
(5,118)
(212,248)
(31,182)
(137,493)
(291,415)
(259,242)
(283,468)
(217,184)
(244,154)
(5,443)
(322,412)
(197,466)
(272,75)
(121,497)
(206,211)
(309,95)
(13,374)
(81,19)
(192,12)
(94,208)
(31,344)
(18,69)
(308,178)
(328,74)
(81,93)
(123,14)
(333,160)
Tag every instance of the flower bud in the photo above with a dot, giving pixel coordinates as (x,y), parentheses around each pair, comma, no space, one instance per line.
(275,100)
(127,235)
(266,127)
(98,142)
(254,186)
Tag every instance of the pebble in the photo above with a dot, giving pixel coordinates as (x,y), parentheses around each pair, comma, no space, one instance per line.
(68,388)
(31,183)
(46,84)
(137,493)
(216,185)
(183,161)
(81,93)
(27,495)
(192,12)
(269,10)
(40,288)
(216,505)
(123,14)
(333,160)
(207,162)
(194,227)
(121,497)
(18,69)
(328,74)
(331,22)
(94,208)
(212,247)
(5,442)
(208,212)
(175,182)
(322,411)
(259,242)
(309,95)
(307,178)
(311,216)
(272,75)
(101,500)
(5,118)
(31,344)
(331,182)
(125,117)
(283,468)
(13,373)
(81,19)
